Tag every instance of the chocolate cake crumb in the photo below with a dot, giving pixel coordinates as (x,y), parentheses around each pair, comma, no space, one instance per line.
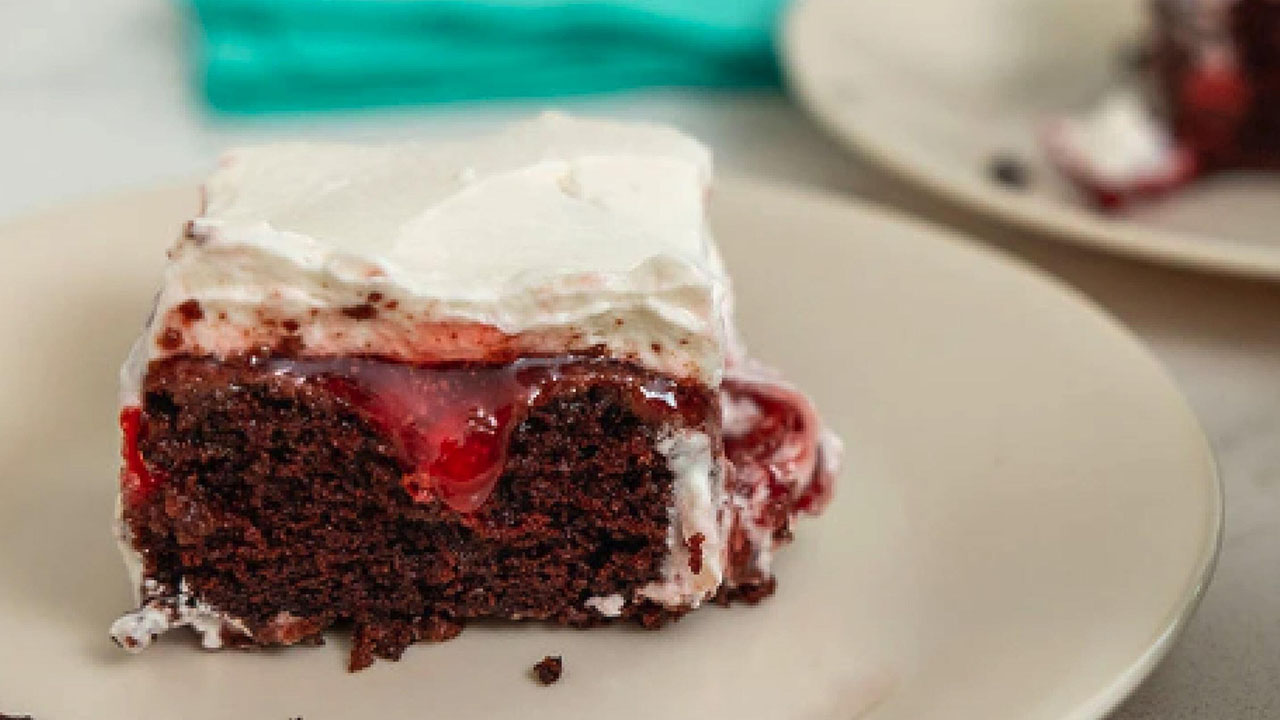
(363,311)
(548,669)
(695,552)
(289,345)
(375,297)
(191,311)
(170,339)
(290,326)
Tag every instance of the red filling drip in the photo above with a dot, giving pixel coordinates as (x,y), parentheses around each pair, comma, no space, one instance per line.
(779,449)
(452,422)
(137,481)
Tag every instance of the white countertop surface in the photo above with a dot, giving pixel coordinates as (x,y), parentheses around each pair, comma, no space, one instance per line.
(93,98)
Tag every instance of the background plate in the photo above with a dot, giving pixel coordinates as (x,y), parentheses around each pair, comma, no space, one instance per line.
(932,89)
(1028,515)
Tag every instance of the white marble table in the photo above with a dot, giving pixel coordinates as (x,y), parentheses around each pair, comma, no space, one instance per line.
(92,99)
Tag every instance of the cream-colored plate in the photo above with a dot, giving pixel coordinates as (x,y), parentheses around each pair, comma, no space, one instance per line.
(932,89)
(1029,513)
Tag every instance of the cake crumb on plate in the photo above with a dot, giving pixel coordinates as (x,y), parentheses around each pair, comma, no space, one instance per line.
(548,669)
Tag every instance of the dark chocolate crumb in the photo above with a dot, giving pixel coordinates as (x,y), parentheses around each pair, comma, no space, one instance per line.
(656,348)
(1009,171)
(392,304)
(695,552)
(290,326)
(548,670)
(170,339)
(375,297)
(289,346)
(222,315)
(363,311)
(191,311)
(618,322)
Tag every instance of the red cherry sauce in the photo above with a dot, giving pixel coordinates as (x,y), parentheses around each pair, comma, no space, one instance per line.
(453,421)
(779,448)
(136,480)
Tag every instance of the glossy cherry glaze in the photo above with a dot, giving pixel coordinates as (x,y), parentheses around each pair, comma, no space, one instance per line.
(136,479)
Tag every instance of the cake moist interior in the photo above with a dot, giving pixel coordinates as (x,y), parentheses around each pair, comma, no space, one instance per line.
(294,495)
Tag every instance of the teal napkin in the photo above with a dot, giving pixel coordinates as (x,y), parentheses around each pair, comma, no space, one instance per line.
(267,55)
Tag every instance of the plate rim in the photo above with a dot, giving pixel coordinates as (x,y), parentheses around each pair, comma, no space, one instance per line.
(1184,606)
(1072,225)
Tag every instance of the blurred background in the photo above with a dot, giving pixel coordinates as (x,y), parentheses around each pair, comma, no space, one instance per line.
(104,94)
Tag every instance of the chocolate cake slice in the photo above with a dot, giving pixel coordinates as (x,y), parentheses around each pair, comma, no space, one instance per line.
(1211,103)
(1218,63)
(399,388)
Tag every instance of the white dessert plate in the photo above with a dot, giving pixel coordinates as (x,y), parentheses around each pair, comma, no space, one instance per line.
(1029,513)
(932,90)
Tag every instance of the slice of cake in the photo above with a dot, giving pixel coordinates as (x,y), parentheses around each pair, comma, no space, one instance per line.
(1211,103)
(403,387)
(1218,65)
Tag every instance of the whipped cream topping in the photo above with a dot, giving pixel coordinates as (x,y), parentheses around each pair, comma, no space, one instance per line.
(1120,143)
(556,235)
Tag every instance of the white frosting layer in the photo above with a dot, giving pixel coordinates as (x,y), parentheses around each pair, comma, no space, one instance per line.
(136,631)
(701,509)
(1121,143)
(557,235)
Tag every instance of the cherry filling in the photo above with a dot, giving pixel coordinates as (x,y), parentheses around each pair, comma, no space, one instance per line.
(776,447)
(450,422)
(137,481)
(453,422)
